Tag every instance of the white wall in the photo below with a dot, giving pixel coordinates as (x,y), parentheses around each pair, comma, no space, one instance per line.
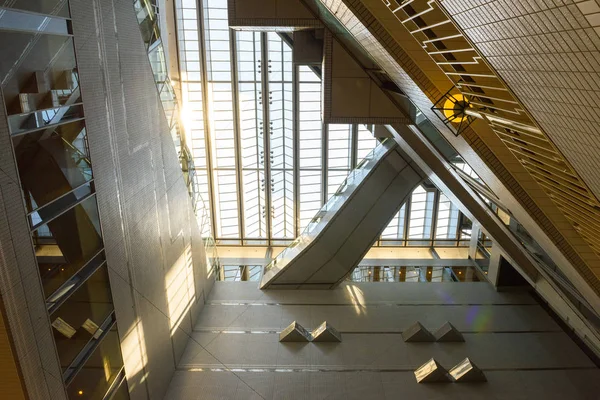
(154,250)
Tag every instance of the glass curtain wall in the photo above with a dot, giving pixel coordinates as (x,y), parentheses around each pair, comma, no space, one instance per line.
(264,71)
(255,128)
(427,219)
(339,156)
(252,133)
(310,152)
(189,56)
(281,138)
(260,131)
(148,22)
(220,115)
(192,96)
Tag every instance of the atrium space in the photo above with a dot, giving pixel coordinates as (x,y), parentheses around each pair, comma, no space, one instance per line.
(299,199)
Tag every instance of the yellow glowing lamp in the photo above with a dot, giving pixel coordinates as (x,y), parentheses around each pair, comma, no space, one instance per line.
(454,108)
(80,393)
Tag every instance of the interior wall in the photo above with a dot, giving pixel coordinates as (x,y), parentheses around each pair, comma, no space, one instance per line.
(350,95)
(267,10)
(12,385)
(157,264)
(550,58)
(21,294)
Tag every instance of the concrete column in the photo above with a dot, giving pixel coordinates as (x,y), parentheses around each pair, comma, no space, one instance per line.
(475,231)
(494,266)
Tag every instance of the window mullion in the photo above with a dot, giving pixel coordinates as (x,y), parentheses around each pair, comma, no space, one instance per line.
(267,129)
(236,133)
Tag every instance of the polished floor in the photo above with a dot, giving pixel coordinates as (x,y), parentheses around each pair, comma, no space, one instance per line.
(234,352)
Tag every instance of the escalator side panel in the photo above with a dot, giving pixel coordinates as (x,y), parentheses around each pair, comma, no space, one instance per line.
(352,229)
(360,241)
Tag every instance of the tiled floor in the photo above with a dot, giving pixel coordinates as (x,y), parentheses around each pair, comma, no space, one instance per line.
(234,352)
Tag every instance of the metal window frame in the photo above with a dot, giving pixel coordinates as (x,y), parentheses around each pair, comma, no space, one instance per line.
(269,240)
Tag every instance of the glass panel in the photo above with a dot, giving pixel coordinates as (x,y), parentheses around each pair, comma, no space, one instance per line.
(231,273)
(466,168)
(310,196)
(238,273)
(46,119)
(147,21)
(310,125)
(51,7)
(413,274)
(395,229)
(66,285)
(252,133)
(38,74)
(334,180)
(436,138)
(310,136)
(65,244)
(282,197)
(156,55)
(78,319)
(254,204)
(58,206)
(23,21)
(484,248)
(365,143)
(254,272)
(421,214)
(99,371)
(221,105)
(307,75)
(192,100)
(339,146)
(216,29)
(443,146)
(465,228)
(204,203)
(281,140)
(339,155)
(122,392)
(227,204)
(52,163)
(221,133)
(447,221)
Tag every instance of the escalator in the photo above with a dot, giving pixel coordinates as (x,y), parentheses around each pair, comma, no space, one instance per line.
(342,232)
